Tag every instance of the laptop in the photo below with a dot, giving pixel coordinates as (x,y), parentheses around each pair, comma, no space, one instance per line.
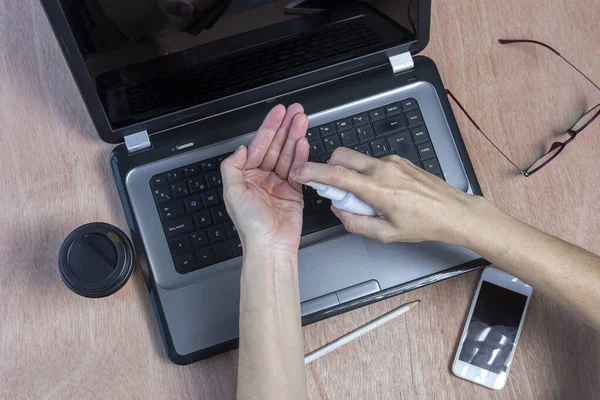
(180,84)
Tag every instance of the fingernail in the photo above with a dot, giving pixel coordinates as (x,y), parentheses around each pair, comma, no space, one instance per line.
(239,148)
(296,174)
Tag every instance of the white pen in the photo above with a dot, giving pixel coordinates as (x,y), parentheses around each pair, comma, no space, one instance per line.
(347,338)
(343,200)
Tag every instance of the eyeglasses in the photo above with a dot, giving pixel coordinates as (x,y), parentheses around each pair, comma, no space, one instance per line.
(557,147)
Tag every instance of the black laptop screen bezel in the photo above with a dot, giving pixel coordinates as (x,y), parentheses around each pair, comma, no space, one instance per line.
(76,63)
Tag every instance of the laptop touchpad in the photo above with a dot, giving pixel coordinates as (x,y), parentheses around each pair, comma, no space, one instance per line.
(333,265)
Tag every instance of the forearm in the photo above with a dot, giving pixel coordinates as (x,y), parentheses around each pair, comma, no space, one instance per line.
(271,355)
(557,269)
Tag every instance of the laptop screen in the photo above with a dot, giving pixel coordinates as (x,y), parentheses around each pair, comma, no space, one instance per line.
(150,58)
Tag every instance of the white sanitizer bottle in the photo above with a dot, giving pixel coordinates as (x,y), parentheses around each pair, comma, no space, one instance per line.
(343,200)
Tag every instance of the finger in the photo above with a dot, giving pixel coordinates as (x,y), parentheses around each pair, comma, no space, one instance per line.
(300,157)
(297,131)
(334,175)
(401,161)
(363,225)
(257,149)
(274,151)
(232,167)
(353,160)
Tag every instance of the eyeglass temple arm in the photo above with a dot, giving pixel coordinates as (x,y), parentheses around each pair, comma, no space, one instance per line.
(481,131)
(509,41)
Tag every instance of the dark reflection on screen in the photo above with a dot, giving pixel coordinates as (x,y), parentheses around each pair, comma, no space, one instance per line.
(148,58)
(493,328)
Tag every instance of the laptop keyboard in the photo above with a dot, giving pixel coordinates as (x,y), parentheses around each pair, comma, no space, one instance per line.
(197,227)
(296,55)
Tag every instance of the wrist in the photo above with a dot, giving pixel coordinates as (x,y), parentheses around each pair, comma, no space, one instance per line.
(268,255)
(263,245)
(472,218)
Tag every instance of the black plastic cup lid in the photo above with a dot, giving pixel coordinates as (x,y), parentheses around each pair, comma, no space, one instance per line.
(96,260)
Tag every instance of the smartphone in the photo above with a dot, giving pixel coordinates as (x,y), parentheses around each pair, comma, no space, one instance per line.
(490,337)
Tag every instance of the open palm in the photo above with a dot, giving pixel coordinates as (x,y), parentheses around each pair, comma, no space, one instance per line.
(265,205)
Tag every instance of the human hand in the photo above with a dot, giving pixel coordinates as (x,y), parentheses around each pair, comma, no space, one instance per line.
(412,204)
(264,204)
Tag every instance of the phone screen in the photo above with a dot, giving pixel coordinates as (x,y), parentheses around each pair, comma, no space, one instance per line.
(493,329)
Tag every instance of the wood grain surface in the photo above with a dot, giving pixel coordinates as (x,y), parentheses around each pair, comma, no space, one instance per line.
(55,177)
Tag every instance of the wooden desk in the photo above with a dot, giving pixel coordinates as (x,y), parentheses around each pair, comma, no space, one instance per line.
(54,344)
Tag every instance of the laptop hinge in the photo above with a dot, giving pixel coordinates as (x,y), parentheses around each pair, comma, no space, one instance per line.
(402,62)
(137,142)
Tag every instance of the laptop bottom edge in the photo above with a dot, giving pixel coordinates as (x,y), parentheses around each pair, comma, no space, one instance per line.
(231,344)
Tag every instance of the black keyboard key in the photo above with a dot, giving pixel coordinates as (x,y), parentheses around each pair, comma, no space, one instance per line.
(432,166)
(364,148)
(158,180)
(365,133)
(194,203)
(379,147)
(347,36)
(342,48)
(162,194)
(172,210)
(389,125)
(217,233)
(318,202)
(409,104)
(392,109)
(236,247)
(343,124)
(179,189)
(316,221)
(376,114)
(223,251)
(389,153)
(197,184)
(185,263)
(349,138)
(209,165)
(312,56)
(312,133)
(222,158)
(402,144)
(425,151)
(325,159)
(211,198)
(414,118)
(331,143)
(307,191)
(231,229)
(180,245)
(178,227)
(214,179)
(441,176)
(175,174)
(326,129)
(192,169)
(420,134)
(220,214)
(205,257)
(327,52)
(203,219)
(199,239)
(360,119)
(316,148)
